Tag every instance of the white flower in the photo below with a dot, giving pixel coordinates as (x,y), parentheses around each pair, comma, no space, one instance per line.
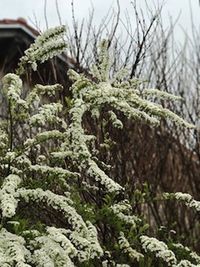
(100,176)
(186,198)
(122,211)
(46,113)
(186,263)
(12,85)
(159,248)
(160,94)
(56,171)
(57,202)
(46,46)
(115,121)
(126,248)
(12,250)
(8,197)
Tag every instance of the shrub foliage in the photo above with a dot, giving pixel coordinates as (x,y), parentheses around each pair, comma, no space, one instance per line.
(59,204)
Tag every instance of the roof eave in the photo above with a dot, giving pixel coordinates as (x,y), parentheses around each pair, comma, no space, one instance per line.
(18,27)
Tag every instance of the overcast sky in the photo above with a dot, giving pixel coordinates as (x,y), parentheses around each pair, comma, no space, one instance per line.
(31,9)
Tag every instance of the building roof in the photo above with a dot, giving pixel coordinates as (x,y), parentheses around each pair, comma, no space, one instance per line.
(18,34)
(19,23)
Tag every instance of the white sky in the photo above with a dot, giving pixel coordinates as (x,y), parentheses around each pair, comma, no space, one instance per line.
(35,8)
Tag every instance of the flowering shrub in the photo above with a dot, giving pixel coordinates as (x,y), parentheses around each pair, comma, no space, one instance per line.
(59,205)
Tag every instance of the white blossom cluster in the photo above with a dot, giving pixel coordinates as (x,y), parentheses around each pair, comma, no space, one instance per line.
(122,265)
(130,103)
(115,121)
(90,187)
(82,232)
(80,151)
(96,249)
(47,89)
(48,45)
(101,72)
(50,34)
(12,86)
(186,263)
(22,161)
(12,250)
(160,94)
(10,156)
(58,202)
(3,139)
(193,255)
(53,249)
(87,246)
(43,137)
(55,171)
(186,198)
(62,154)
(39,90)
(46,113)
(58,247)
(100,176)
(159,248)
(126,248)
(8,197)
(122,210)
(107,263)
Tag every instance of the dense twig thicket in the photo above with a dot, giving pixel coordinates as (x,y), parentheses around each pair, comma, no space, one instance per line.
(165,158)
